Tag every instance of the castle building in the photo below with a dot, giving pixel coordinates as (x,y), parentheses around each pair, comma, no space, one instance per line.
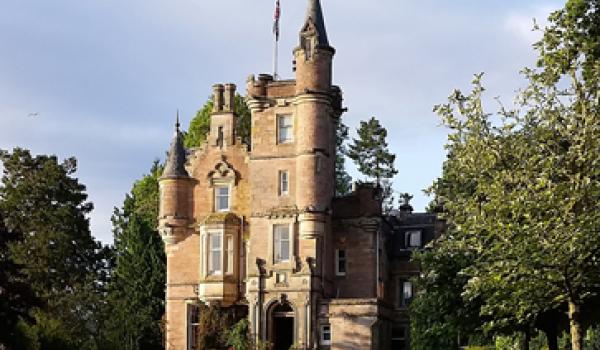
(257,227)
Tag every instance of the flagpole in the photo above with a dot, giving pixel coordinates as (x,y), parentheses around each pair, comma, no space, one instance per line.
(276,41)
(275,58)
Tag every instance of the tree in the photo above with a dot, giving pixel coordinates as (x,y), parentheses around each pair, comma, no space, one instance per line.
(200,125)
(16,297)
(58,257)
(520,187)
(214,325)
(239,336)
(137,290)
(439,317)
(370,151)
(342,178)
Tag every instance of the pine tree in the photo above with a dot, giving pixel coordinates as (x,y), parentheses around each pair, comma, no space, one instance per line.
(137,290)
(16,297)
(342,179)
(57,255)
(370,153)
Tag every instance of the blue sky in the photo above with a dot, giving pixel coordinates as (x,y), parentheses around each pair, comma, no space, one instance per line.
(107,76)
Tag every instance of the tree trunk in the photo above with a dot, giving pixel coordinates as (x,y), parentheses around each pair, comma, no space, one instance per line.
(575,326)
(552,337)
(526,339)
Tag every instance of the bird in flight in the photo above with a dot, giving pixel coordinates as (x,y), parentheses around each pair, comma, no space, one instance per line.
(33,114)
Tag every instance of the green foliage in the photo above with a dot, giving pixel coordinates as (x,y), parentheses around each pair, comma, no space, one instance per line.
(439,315)
(343,181)
(56,254)
(16,297)
(370,151)
(136,291)
(213,326)
(239,336)
(520,187)
(244,122)
(593,338)
(200,125)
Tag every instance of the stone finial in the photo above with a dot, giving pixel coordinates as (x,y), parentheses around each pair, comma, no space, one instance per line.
(405,206)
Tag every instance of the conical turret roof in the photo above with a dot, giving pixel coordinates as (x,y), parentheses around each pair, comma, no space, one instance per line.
(175,165)
(314,16)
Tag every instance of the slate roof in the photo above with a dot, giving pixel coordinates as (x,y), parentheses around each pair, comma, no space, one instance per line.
(175,165)
(315,14)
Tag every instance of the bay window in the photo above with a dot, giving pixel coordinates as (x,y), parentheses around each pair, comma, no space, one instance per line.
(214,258)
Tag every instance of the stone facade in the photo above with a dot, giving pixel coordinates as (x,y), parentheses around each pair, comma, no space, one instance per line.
(257,227)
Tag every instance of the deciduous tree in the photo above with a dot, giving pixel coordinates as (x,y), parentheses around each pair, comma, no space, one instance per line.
(200,124)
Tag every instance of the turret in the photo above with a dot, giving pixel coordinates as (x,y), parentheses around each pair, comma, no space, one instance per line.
(175,209)
(313,57)
(314,102)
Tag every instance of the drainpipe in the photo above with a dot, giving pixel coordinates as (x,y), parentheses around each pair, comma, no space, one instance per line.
(259,303)
(377,264)
(241,254)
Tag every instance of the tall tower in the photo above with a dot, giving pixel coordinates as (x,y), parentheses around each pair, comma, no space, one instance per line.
(292,176)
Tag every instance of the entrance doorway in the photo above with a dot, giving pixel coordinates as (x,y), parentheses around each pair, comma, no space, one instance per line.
(282,335)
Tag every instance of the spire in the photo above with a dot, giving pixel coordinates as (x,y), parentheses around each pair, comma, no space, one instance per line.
(314,21)
(175,165)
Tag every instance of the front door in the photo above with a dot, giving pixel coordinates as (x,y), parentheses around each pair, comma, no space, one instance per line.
(282,327)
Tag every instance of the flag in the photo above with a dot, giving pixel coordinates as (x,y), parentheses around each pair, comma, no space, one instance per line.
(276,22)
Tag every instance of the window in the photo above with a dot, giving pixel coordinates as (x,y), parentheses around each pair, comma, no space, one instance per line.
(280,278)
(325,334)
(406,292)
(399,338)
(413,239)
(284,183)
(229,252)
(319,164)
(281,246)
(192,326)
(284,129)
(214,258)
(222,198)
(340,262)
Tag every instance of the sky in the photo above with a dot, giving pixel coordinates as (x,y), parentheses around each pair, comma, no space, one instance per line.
(101,80)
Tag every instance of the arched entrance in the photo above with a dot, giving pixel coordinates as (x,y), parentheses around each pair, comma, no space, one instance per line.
(282,326)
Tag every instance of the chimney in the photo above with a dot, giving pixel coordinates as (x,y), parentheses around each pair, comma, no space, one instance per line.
(229,103)
(218,90)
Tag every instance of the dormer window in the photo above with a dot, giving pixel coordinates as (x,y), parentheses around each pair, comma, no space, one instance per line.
(221,198)
(284,129)
(413,239)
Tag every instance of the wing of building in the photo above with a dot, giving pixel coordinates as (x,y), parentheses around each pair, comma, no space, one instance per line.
(258,228)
